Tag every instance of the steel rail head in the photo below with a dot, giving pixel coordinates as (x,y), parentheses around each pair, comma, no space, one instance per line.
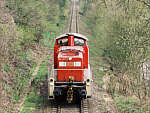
(74,16)
(84,106)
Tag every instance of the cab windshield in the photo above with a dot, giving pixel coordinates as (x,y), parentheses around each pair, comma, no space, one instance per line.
(78,42)
(63,42)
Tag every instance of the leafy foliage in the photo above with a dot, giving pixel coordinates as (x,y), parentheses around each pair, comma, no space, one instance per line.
(121,31)
(34,24)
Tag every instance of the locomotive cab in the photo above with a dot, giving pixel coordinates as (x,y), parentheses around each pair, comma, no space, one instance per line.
(71,71)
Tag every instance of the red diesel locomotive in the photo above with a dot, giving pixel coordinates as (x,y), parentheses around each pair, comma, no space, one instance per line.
(71,74)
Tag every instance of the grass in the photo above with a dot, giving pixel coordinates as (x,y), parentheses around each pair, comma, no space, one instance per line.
(42,73)
(47,37)
(34,99)
(20,85)
(26,111)
(129,104)
(3,29)
(6,68)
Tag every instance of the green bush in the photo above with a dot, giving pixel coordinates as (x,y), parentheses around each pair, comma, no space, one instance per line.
(6,68)
(120,33)
(35,17)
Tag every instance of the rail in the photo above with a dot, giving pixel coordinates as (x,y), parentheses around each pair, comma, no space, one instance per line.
(81,107)
(73,26)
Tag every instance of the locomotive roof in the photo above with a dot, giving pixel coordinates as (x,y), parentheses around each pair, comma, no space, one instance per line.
(75,34)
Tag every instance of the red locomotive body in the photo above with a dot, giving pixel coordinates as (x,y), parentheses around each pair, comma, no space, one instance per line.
(71,66)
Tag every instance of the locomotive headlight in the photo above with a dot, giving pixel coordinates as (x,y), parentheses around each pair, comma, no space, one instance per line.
(62,63)
(77,63)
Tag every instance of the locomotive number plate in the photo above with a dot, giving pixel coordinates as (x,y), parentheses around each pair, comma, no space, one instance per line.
(70,63)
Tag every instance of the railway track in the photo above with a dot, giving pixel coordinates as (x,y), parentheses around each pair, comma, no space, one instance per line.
(73,27)
(63,106)
(81,107)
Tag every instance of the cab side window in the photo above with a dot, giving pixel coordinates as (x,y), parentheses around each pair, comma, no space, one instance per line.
(63,42)
(78,42)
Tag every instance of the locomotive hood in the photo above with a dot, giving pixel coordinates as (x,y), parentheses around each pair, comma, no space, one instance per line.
(70,52)
(70,64)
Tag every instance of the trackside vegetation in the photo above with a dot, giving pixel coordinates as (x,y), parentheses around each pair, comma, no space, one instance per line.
(119,42)
(120,36)
(28,28)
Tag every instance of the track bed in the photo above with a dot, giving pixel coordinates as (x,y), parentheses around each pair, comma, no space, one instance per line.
(63,107)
